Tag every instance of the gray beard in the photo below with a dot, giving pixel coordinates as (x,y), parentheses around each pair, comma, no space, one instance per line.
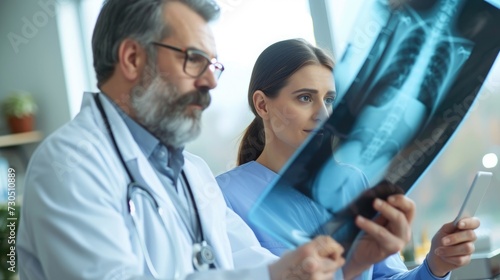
(161,109)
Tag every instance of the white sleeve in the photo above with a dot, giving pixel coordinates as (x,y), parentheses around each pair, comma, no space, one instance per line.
(246,249)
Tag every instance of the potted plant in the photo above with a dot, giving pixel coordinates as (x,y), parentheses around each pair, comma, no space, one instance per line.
(19,108)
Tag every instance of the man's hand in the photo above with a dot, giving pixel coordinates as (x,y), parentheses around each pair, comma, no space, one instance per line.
(318,259)
(452,246)
(385,235)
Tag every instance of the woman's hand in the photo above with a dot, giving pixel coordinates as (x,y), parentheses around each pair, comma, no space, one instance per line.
(452,246)
(385,235)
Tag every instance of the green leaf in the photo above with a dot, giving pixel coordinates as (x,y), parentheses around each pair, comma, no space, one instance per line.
(19,104)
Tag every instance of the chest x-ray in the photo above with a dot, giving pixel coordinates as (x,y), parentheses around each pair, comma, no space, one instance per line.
(403,92)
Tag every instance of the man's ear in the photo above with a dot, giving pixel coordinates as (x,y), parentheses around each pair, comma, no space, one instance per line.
(260,104)
(131,60)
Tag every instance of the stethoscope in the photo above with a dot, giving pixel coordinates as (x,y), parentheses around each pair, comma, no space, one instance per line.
(203,254)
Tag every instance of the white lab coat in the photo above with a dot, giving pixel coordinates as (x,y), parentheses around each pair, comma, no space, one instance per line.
(75,223)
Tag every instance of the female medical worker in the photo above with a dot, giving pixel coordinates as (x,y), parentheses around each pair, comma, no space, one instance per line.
(291,90)
(101,198)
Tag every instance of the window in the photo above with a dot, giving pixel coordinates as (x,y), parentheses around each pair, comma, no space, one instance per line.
(76,20)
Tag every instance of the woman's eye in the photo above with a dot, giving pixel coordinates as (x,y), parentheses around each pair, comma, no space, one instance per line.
(305,98)
(329,100)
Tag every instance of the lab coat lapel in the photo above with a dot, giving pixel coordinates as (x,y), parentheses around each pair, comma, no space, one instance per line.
(134,170)
(211,207)
(132,155)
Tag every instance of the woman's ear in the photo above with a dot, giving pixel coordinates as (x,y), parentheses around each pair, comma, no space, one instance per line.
(260,104)
(131,60)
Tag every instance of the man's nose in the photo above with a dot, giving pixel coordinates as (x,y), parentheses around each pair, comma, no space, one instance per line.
(207,80)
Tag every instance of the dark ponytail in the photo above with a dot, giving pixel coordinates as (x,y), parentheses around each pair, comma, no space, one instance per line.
(253,142)
(270,74)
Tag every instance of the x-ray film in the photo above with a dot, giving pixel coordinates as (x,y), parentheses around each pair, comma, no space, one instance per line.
(404,86)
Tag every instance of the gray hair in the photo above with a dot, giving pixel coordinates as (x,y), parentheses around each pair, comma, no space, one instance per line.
(139,20)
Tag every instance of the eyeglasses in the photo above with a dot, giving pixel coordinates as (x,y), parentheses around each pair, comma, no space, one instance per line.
(196,62)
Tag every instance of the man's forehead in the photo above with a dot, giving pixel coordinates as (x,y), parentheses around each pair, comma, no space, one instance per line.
(188,28)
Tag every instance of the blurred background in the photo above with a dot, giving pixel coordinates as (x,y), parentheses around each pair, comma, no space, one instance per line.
(45,50)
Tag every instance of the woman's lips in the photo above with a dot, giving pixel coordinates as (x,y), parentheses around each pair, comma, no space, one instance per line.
(319,131)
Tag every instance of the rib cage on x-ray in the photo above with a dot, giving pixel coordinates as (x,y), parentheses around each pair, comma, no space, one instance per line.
(397,73)
(413,75)
(440,63)
(401,66)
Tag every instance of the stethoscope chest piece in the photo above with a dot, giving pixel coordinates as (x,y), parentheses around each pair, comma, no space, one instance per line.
(203,256)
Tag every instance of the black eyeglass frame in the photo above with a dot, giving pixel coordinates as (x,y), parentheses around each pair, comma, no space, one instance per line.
(218,68)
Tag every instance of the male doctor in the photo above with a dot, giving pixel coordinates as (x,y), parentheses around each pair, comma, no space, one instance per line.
(112,194)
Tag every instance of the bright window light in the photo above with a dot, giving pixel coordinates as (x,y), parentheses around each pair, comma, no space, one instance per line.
(490,160)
